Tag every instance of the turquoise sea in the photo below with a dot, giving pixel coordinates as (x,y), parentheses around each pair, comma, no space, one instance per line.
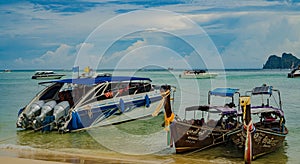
(141,141)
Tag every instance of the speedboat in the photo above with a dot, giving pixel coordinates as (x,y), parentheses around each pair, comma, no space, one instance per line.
(294,73)
(205,126)
(263,130)
(73,104)
(42,75)
(197,74)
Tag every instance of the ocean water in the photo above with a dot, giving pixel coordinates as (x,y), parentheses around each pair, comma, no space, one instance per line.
(142,140)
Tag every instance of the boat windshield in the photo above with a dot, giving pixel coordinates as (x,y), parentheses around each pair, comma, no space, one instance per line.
(110,90)
(86,93)
(64,92)
(44,72)
(211,117)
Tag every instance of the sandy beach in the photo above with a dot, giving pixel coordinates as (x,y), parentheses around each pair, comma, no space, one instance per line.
(43,156)
(25,161)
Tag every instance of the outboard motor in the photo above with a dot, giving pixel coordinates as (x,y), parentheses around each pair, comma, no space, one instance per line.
(25,119)
(61,110)
(46,110)
(35,108)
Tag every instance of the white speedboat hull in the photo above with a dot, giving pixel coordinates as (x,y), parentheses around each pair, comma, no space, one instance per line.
(199,76)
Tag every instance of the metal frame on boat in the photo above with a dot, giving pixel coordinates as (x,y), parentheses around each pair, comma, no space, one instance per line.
(72,104)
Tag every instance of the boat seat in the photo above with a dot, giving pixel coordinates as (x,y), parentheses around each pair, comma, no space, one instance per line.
(230,105)
(211,123)
(199,122)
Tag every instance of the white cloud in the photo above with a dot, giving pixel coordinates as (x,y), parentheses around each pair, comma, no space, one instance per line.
(62,58)
(143,53)
(260,35)
(19,61)
(111,60)
(151,55)
(256,29)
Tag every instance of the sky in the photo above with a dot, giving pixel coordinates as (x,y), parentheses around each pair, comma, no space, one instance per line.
(134,34)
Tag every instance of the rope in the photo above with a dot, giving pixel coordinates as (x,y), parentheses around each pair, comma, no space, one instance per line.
(223,141)
(250,126)
(200,149)
(6,139)
(155,113)
(159,106)
(168,120)
(31,131)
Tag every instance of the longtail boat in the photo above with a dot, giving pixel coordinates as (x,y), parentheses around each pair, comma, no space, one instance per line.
(209,125)
(263,130)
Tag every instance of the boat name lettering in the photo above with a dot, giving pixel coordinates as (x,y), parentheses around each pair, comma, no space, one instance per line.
(192,138)
(192,132)
(190,141)
(239,140)
(203,134)
(266,141)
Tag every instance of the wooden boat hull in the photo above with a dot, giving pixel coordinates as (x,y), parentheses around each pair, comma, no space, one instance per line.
(263,141)
(208,129)
(189,138)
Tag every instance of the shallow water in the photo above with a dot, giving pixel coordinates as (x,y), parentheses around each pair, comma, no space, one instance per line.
(143,140)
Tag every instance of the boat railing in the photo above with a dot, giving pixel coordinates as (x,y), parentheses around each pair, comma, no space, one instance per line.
(266,90)
(203,127)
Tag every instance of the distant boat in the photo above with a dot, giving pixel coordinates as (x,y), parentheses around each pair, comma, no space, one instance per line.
(42,75)
(294,73)
(7,70)
(197,74)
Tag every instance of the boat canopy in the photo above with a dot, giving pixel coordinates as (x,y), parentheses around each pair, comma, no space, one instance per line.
(264,109)
(262,90)
(225,92)
(97,80)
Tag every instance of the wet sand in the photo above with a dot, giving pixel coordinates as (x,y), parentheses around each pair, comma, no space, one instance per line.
(53,157)
(25,161)
(43,156)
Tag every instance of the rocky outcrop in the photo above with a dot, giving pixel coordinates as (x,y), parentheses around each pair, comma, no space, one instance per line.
(285,62)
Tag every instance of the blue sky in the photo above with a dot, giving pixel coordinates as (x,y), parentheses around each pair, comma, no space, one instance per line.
(134,34)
